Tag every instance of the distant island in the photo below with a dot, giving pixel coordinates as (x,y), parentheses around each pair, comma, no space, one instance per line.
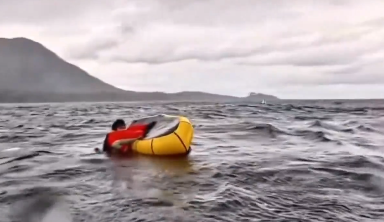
(259,96)
(29,72)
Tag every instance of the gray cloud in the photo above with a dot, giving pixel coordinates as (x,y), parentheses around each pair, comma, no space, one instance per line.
(374,22)
(43,11)
(314,51)
(324,54)
(245,15)
(247,44)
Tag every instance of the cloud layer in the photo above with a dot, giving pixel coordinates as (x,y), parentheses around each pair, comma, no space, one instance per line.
(291,48)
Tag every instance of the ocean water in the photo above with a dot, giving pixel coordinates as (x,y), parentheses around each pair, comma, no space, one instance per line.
(292,161)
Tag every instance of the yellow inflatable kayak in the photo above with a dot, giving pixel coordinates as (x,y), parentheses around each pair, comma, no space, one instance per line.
(171,135)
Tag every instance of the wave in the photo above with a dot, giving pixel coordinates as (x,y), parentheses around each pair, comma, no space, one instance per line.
(296,161)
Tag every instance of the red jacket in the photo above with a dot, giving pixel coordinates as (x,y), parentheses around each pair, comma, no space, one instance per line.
(132,132)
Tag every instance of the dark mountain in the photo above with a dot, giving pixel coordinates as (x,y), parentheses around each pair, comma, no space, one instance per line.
(29,72)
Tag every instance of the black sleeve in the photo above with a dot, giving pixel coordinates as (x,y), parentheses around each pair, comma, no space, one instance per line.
(105,144)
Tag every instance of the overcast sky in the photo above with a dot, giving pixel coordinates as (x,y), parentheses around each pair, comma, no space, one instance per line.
(288,48)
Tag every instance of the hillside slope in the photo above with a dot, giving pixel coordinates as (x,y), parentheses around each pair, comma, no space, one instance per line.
(29,72)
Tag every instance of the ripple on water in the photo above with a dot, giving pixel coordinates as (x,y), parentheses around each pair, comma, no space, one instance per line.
(304,161)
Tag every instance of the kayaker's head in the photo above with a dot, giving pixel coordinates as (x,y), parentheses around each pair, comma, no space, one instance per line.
(119,124)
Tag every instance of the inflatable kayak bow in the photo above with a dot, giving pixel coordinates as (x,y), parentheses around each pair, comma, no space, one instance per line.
(171,135)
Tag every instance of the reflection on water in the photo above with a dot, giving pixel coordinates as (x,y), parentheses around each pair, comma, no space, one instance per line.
(149,176)
(43,207)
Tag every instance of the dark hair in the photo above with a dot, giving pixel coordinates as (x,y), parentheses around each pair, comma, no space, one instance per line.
(118,123)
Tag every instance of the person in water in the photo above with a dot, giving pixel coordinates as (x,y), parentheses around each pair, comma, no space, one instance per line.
(118,125)
(115,144)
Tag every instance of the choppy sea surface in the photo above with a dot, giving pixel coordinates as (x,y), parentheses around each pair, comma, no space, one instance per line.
(292,161)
